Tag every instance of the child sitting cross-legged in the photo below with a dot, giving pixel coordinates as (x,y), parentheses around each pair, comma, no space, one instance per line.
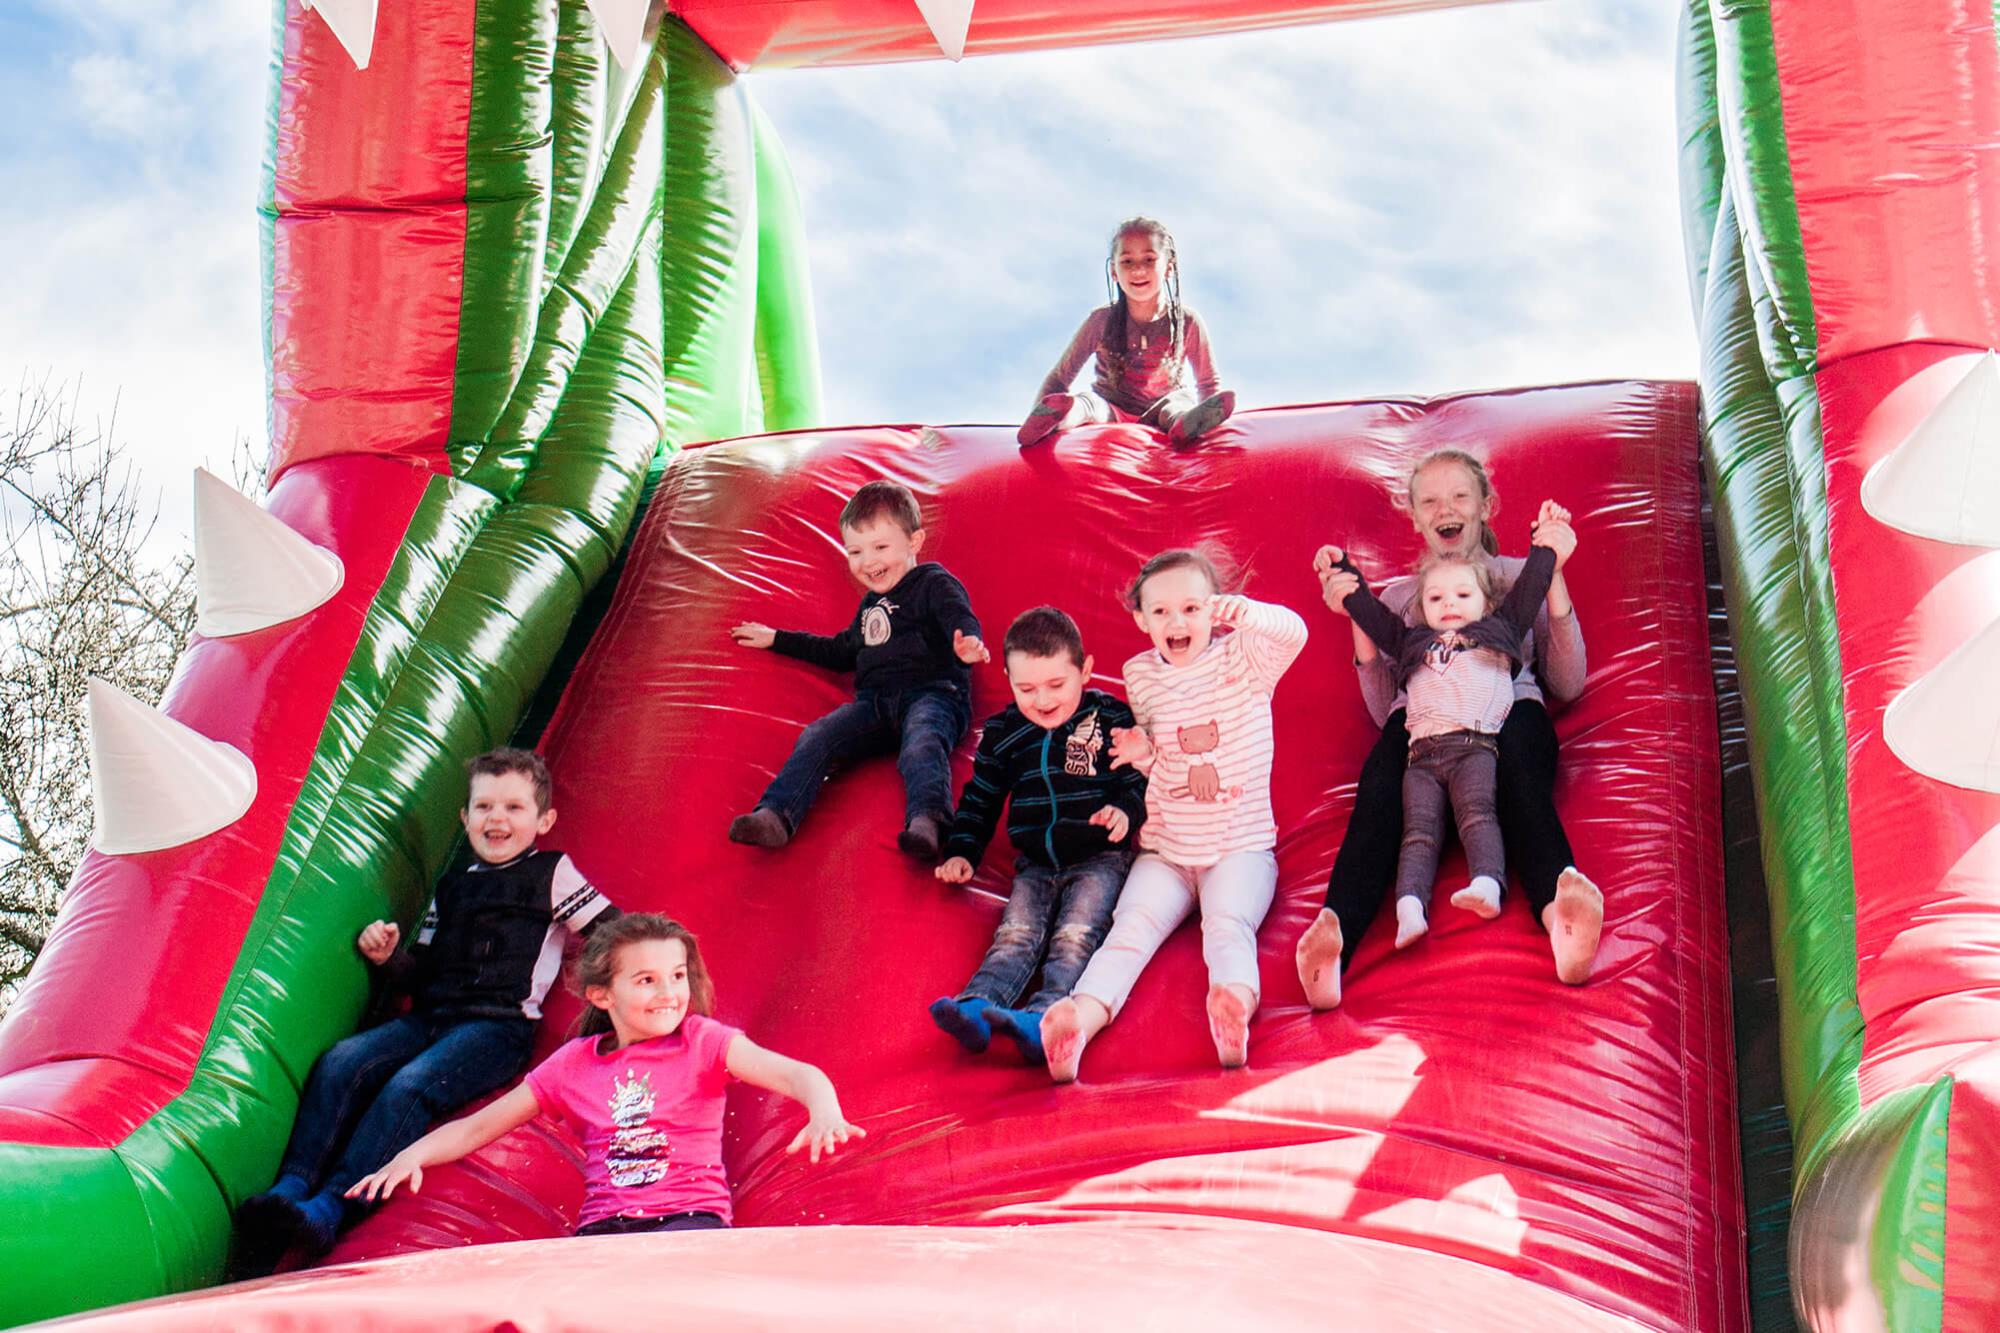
(643,1085)
(1070,815)
(487,953)
(911,648)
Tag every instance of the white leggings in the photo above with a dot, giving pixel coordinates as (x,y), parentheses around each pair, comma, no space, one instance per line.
(1234,895)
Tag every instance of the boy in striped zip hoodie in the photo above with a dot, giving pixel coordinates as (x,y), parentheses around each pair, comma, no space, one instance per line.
(1047,757)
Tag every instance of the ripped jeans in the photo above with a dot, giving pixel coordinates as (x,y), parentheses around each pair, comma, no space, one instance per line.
(1066,911)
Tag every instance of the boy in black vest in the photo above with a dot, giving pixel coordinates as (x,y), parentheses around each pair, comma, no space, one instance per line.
(1070,816)
(911,648)
(487,952)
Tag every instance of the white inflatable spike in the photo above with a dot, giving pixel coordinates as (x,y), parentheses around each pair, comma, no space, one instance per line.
(1943,480)
(1947,725)
(157,782)
(250,570)
(353,23)
(624,25)
(949,21)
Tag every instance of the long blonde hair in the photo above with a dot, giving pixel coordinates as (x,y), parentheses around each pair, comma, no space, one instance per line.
(1487,541)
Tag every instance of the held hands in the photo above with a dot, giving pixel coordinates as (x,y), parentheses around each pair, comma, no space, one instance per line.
(1131,745)
(969,648)
(381,1184)
(1553,530)
(826,1129)
(954,870)
(750,634)
(1116,822)
(378,940)
(1335,583)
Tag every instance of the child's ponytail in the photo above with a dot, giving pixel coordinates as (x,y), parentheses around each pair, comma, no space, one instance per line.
(598,964)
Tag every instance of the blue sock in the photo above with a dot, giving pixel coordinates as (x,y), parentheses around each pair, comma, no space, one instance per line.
(292,1189)
(319,1221)
(1024,1026)
(964,1020)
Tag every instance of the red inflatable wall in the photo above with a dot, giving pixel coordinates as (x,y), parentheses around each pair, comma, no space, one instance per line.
(1463,1144)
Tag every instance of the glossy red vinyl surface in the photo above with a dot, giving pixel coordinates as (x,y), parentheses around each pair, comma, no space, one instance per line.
(1891,126)
(369,237)
(167,927)
(775,34)
(1926,854)
(1460,1103)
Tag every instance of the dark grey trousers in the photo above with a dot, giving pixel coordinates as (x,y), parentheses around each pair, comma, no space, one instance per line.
(1451,774)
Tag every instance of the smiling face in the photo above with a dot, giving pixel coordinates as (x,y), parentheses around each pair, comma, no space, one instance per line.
(649,991)
(1047,690)
(1452,597)
(501,818)
(1449,508)
(880,553)
(1141,264)
(1174,612)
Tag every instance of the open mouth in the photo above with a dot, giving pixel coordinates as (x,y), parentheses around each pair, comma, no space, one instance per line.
(1178,643)
(1449,531)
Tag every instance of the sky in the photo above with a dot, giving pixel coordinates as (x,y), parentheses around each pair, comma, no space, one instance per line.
(1417,204)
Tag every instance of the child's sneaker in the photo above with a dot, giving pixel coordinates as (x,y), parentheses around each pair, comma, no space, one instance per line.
(923,839)
(1024,1026)
(1045,419)
(964,1020)
(762,827)
(1412,923)
(1481,898)
(1202,418)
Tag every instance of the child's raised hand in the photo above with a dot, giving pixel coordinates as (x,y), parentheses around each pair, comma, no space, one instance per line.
(1116,822)
(1228,608)
(1552,529)
(955,870)
(1131,745)
(750,634)
(1325,560)
(969,647)
(1551,512)
(378,940)
(381,1184)
(1336,584)
(826,1129)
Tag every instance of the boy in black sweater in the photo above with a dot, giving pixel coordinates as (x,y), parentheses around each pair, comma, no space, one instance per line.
(1047,756)
(911,648)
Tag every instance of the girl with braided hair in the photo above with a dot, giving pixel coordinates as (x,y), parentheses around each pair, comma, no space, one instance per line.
(1153,359)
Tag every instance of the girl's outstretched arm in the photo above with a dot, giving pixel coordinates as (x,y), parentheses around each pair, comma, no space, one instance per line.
(826,1128)
(447,1143)
(1082,346)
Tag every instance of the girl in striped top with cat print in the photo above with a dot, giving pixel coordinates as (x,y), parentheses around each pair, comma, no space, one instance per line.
(1203,703)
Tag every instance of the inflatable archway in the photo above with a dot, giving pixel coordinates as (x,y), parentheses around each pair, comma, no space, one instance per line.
(504,267)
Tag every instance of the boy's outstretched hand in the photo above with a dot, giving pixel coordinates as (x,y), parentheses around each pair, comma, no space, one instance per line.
(954,870)
(826,1129)
(378,940)
(750,634)
(969,647)
(1116,822)
(1131,745)
(1553,530)
(1335,582)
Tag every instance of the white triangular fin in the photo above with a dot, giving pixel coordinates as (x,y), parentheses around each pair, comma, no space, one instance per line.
(1943,480)
(1947,725)
(949,21)
(353,23)
(624,25)
(250,570)
(157,782)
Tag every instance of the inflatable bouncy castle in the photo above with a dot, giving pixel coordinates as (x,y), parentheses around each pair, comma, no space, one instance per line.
(545,423)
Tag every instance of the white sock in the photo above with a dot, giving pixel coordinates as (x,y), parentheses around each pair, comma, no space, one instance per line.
(1481,897)
(1411,923)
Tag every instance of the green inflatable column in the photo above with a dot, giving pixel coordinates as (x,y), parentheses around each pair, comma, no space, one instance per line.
(787,343)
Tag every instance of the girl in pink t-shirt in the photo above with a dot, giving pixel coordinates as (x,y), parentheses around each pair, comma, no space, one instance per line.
(643,1086)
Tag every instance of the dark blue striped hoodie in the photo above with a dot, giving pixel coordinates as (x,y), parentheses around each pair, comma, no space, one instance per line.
(1056,779)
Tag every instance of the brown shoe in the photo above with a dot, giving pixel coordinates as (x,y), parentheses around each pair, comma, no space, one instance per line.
(762,827)
(923,839)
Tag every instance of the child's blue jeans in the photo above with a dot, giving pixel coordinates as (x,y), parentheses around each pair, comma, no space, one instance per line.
(376,1093)
(921,726)
(1075,901)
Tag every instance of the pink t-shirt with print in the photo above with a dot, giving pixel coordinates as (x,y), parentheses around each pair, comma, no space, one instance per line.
(650,1117)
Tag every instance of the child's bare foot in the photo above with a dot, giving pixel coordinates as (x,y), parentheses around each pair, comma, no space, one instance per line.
(1412,924)
(1067,1028)
(762,827)
(1229,1010)
(1046,419)
(1319,960)
(1481,898)
(1574,921)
